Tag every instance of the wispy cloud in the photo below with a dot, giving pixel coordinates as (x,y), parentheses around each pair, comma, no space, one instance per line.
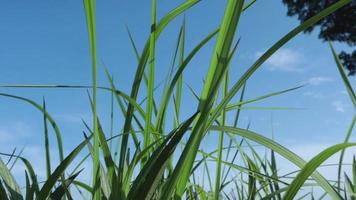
(318,80)
(285,59)
(339,106)
(13,131)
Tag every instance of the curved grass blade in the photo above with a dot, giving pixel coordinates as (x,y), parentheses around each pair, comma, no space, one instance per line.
(49,118)
(295,159)
(346,81)
(311,166)
(237,86)
(9,181)
(29,169)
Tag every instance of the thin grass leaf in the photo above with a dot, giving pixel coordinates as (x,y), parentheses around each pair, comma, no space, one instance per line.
(289,155)
(147,180)
(89,6)
(311,166)
(49,118)
(216,71)
(47,150)
(50,182)
(139,73)
(9,181)
(237,86)
(346,140)
(346,81)
(60,191)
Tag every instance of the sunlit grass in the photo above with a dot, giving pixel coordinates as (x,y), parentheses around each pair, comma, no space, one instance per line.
(144,167)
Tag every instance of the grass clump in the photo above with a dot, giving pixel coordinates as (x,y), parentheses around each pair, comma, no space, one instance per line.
(152,172)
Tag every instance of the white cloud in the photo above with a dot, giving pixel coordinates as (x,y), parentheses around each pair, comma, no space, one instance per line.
(317,80)
(13,131)
(285,59)
(339,106)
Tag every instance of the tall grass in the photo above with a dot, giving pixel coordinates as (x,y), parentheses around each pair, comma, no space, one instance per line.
(151,171)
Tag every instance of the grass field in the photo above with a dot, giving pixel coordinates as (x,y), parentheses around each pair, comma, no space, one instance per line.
(144,160)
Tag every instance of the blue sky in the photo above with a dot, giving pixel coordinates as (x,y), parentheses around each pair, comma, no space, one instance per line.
(45,42)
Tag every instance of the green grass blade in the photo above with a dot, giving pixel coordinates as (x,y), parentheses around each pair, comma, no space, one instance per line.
(221,141)
(9,180)
(237,86)
(147,180)
(179,86)
(29,169)
(216,70)
(311,166)
(295,159)
(151,78)
(47,150)
(346,81)
(49,118)
(50,182)
(139,73)
(176,78)
(60,191)
(89,6)
(346,140)
(240,103)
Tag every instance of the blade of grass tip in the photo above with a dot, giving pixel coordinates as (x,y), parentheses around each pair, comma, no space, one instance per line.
(346,81)
(221,141)
(167,85)
(249,4)
(178,74)
(151,78)
(284,152)
(240,103)
(47,151)
(236,87)
(122,106)
(29,169)
(349,187)
(138,76)
(89,6)
(346,140)
(179,86)
(311,166)
(51,181)
(146,182)
(60,191)
(216,70)
(109,162)
(29,188)
(12,155)
(49,118)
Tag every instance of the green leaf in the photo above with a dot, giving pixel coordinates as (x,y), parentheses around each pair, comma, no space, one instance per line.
(147,180)
(289,155)
(50,182)
(311,166)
